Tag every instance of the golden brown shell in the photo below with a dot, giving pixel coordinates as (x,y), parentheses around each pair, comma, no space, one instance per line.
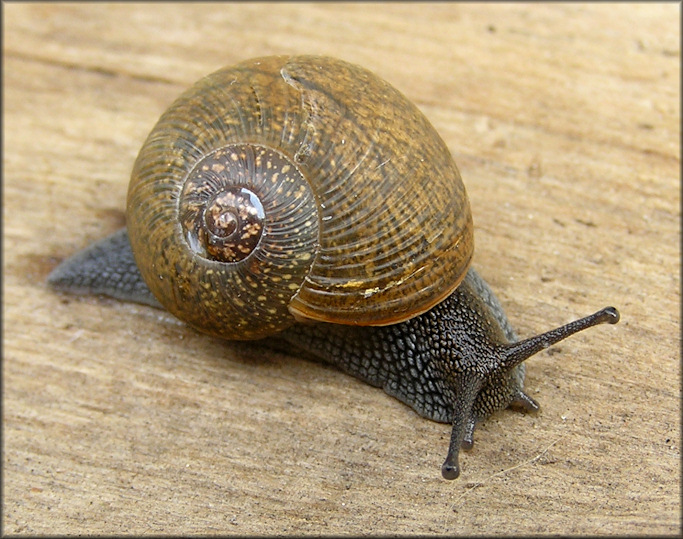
(299,187)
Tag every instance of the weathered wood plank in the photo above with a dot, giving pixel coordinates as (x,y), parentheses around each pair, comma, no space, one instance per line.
(565,122)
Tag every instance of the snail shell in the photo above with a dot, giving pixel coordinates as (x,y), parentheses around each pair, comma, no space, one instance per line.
(296,188)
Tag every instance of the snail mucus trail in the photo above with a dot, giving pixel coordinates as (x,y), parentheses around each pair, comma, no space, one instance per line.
(303,198)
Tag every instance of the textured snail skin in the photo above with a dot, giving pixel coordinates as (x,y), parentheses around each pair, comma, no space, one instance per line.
(303,199)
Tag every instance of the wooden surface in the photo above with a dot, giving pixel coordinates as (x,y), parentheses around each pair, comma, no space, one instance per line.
(565,122)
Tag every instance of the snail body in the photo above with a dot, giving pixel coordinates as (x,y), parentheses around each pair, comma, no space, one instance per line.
(305,199)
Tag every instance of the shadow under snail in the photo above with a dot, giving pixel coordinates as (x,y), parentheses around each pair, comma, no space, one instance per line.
(305,198)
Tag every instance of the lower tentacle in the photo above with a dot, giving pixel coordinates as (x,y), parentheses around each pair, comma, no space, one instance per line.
(524,402)
(463,427)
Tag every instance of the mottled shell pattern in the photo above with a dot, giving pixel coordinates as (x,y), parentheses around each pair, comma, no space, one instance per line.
(296,188)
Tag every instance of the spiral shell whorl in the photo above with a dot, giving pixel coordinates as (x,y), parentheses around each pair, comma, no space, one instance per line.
(249,230)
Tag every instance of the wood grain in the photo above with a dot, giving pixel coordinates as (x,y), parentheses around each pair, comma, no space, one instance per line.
(565,122)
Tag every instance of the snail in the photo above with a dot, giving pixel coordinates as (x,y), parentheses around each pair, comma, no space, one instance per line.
(304,199)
